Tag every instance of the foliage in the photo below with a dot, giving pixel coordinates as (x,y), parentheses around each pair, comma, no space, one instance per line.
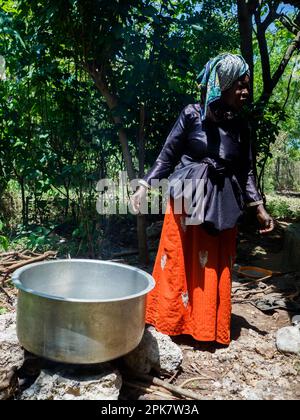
(57,136)
(57,132)
(284,207)
(4,242)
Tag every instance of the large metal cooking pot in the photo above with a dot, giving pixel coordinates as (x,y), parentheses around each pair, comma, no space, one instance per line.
(81,311)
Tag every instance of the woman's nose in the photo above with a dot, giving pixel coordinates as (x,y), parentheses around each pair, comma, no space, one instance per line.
(245,93)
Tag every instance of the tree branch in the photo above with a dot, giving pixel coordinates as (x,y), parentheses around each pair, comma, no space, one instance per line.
(272,15)
(98,74)
(295,44)
(263,49)
(245,11)
(290,25)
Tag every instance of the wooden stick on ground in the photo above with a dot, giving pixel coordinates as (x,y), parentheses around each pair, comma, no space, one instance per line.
(20,264)
(9,298)
(198,378)
(251,282)
(147,389)
(175,389)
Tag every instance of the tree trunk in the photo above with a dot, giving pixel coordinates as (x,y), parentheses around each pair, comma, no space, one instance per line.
(22,184)
(141,219)
(112,102)
(245,13)
(264,53)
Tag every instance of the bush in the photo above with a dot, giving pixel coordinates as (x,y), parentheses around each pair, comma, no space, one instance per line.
(283,207)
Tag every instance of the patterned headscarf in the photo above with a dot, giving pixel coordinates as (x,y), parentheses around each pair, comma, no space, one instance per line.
(218,75)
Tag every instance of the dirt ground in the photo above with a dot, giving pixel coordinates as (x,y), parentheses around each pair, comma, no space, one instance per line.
(251,367)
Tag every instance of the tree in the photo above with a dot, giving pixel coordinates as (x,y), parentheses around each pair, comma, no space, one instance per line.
(141,56)
(257,17)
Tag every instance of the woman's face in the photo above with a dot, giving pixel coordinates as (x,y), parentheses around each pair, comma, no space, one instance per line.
(238,94)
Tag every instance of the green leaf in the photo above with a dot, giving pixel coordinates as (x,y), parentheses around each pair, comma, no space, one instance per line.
(4,242)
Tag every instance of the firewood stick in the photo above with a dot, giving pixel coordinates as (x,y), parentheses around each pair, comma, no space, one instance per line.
(198,378)
(7,263)
(20,264)
(150,389)
(7,254)
(251,282)
(9,298)
(175,389)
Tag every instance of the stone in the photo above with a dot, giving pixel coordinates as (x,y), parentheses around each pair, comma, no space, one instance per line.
(249,394)
(156,351)
(67,383)
(266,350)
(12,354)
(288,339)
(296,320)
(9,384)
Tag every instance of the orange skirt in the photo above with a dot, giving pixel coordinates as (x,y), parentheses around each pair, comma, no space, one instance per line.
(193,281)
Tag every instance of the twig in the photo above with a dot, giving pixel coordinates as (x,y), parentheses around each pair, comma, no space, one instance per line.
(6,254)
(175,389)
(253,292)
(9,298)
(8,262)
(20,264)
(32,260)
(173,376)
(251,282)
(142,387)
(197,378)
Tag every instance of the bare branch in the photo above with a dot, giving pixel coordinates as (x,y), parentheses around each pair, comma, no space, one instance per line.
(263,49)
(294,46)
(290,25)
(272,15)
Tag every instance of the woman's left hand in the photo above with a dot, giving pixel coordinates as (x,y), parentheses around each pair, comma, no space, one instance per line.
(265,220)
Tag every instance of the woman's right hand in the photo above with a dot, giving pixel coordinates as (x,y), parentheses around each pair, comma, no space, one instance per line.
(137,197)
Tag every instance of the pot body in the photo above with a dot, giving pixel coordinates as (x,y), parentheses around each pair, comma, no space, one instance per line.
(82,331)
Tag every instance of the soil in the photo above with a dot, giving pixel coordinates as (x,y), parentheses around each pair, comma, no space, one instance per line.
(250,367)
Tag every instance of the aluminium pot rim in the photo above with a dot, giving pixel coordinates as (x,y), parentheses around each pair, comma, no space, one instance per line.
(20,286)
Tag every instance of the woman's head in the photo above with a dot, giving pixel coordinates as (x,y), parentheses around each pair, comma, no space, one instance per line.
(238,94)
(225,79)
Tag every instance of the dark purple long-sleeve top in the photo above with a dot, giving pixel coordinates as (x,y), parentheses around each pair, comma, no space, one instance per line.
(220,154)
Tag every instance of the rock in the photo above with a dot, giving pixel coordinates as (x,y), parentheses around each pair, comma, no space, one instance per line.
(156,351)
(266,350)
(9,383)
(67,383)
(296,320)
(288,339)
(12,356)
(249,394)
